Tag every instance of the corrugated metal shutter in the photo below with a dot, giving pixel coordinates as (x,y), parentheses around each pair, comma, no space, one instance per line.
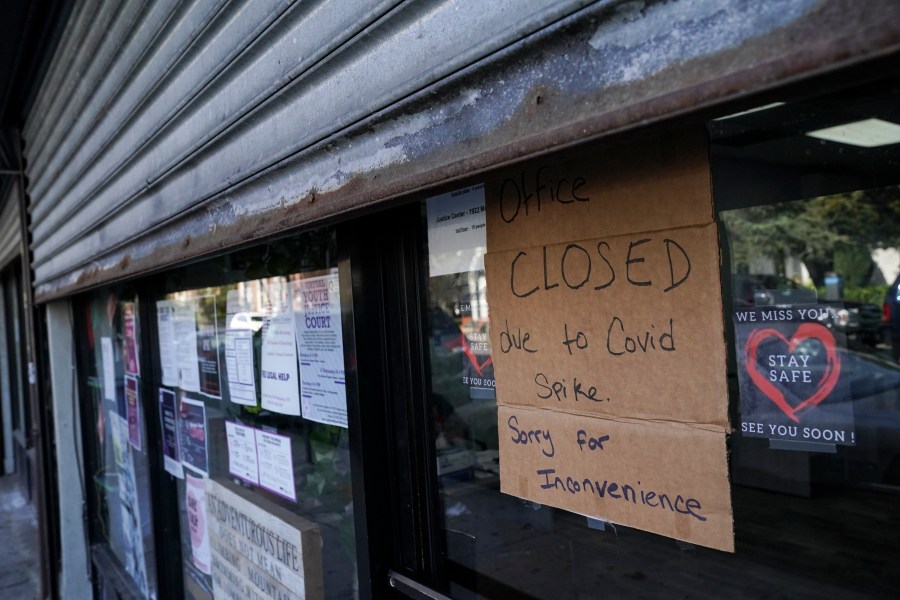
(165,104)
(164,123)
(10,227)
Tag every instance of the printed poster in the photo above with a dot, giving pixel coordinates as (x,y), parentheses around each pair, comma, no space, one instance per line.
(790,373)
(276,464)
(456,231)
(192,435)
(475,348)
(185,326)
(165,321)
(195,503)
(242,459)
(133,411)
(109,368)
(129,507)
(208,347)
(279,378)
(239,359)
(320,347)
(130,344)
(168,417)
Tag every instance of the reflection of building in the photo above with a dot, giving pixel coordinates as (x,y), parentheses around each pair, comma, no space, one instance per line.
(887,267)
(168,151)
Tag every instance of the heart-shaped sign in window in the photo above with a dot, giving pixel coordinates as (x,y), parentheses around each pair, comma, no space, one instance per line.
(781,367)
(479,364)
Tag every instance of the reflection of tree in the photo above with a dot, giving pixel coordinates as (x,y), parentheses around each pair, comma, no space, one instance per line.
(827,233)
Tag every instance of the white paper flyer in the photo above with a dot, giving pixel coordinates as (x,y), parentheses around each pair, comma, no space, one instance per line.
(186,345)
(280,385)
(320,347)
(457,237)
(165,321)
(242,459)
(276,465)
(239,329)
(109,369)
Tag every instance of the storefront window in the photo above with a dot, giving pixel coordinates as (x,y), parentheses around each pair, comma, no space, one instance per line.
(115,416)
(250,389)
(810,294)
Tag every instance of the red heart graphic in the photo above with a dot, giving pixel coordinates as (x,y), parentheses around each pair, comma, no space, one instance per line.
(806,331)
(474,359)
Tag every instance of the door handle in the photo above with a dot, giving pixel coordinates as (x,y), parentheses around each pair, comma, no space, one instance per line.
(413,589)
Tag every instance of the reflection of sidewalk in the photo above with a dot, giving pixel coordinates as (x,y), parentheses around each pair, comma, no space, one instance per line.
(19,573)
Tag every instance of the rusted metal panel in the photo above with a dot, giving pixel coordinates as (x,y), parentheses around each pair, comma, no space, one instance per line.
(610,67)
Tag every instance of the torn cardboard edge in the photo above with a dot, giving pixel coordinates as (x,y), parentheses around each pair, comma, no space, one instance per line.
(603,238)
(706,427)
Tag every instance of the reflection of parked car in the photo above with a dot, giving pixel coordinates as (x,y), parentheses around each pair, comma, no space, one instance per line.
(247,321)
(891,316)
(874,386)
(765,290)
(859,319)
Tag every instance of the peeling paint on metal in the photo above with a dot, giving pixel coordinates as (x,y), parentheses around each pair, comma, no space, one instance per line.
(642,38)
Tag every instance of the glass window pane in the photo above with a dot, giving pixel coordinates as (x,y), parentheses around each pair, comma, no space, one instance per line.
(117,454)
(251,376)
(814,505)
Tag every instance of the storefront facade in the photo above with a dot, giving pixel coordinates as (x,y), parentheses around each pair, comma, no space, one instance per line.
(266,236)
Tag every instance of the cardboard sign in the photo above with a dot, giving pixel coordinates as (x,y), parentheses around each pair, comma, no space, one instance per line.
(626,326)
(606,316)
(790,371)
(259,549)
(655,476)
(660,184)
